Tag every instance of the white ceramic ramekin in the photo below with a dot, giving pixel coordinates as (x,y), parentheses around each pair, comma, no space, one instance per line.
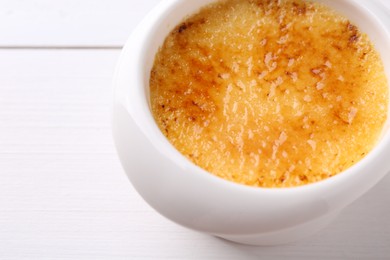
(190,196)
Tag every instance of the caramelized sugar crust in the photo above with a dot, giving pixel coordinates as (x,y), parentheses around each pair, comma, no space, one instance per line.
(269,93)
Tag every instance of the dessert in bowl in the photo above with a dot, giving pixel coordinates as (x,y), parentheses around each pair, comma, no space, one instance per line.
(187,193)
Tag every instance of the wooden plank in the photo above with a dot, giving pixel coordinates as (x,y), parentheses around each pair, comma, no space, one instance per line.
(87,23)
(70,22)
(63,194)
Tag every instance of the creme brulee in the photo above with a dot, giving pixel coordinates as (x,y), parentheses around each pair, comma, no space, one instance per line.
(269,93)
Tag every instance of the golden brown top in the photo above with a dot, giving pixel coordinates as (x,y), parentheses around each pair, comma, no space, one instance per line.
(269,93)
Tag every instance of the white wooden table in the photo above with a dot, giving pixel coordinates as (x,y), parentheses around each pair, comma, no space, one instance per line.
(63,194)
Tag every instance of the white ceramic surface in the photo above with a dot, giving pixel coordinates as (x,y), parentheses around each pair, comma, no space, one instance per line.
(198,200)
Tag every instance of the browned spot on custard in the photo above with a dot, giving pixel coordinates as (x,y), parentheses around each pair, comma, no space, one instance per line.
(269,93)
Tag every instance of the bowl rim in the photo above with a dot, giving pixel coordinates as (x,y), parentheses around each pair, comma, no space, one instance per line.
(134,53)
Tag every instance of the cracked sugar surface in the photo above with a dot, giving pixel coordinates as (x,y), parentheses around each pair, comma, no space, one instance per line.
(269,93)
